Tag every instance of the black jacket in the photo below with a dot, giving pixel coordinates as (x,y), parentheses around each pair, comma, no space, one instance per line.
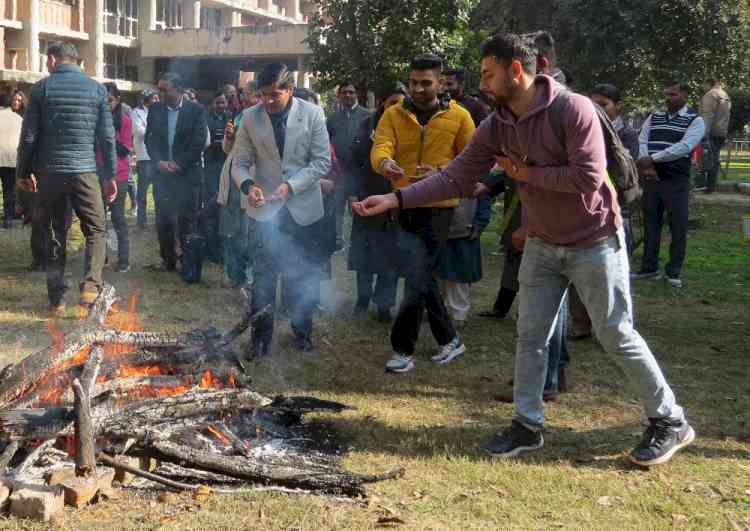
(67,116)
(189,138)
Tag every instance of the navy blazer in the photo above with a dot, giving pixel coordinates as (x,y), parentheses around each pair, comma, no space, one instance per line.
(189,139)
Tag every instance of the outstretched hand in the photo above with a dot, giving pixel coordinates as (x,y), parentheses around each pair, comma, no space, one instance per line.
(375,204)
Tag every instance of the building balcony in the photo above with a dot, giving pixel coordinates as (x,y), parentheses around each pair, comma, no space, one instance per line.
(259,41)
(62,19)
(10,17)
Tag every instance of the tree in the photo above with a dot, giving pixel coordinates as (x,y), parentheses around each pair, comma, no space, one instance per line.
(636,44)
(372,41)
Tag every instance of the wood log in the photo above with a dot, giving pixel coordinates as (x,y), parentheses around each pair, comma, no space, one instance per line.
(119,465)
(29,372)
(84,433)
(30,459)
(7,456)
(84,424)
(102,304)
(128,420)
(320,478)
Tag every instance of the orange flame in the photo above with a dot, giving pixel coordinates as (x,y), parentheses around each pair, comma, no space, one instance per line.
(208,380)
(57,336)
(126,371)
(223,438)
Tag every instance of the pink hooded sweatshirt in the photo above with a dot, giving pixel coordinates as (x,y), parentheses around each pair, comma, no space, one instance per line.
(568,199)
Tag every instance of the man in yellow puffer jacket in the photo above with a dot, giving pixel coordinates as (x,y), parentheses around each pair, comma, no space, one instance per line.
(411,141)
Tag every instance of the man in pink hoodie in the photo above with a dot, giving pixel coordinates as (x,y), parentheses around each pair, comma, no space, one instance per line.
(573,234)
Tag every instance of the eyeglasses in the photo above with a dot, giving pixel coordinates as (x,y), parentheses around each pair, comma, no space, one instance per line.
(275,95)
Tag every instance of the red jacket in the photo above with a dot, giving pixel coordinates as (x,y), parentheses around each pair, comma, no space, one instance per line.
(124,137)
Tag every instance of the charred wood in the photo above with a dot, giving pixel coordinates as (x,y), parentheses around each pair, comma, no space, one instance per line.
(327,479)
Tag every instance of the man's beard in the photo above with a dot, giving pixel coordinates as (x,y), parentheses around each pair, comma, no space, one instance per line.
(510,92)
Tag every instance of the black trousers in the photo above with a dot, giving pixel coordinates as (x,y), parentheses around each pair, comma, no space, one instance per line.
(40,234)
(670,196)
(282,246)
(85,195)
(146,172)
(424,232)
(384,294)
(177,207)
(8,177)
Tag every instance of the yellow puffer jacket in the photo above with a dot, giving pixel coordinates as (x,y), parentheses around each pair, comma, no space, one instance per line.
(400,137)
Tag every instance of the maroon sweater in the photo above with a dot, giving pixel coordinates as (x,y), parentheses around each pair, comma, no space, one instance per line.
(568,199)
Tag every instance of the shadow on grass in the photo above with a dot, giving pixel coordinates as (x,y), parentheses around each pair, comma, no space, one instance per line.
(599,449)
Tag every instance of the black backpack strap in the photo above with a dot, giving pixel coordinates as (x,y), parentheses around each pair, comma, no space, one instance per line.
(555,113)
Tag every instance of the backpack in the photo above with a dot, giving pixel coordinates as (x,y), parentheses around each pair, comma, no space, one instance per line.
(620,164)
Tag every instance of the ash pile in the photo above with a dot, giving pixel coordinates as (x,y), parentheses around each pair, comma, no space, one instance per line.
(107,405)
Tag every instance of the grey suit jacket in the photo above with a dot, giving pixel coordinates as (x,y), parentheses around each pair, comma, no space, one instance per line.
(307,158)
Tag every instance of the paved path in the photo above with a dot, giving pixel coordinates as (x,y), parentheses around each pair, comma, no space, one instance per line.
(722,199)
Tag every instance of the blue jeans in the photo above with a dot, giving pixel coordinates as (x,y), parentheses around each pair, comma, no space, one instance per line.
(558,357)
(601,276)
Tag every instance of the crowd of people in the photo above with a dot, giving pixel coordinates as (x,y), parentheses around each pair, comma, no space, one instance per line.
(259,181)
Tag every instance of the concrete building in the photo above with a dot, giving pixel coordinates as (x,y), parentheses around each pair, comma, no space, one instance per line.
(131,41)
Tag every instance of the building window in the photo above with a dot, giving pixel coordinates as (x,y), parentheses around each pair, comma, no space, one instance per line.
(116,64)
(211,19)
(121,18)
(168,14)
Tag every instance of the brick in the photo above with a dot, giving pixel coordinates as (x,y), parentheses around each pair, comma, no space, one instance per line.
(79,490)
(123,477)
(4,495)
(56,477)
(37,502)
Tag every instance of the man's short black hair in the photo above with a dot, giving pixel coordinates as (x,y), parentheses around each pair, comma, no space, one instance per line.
(63,51)
(427,61)
(112,89)
(386,90)
(608,91)
(712,81)
(217,94)
(545,45)
(458,73)
(346,83)
(681,85)
(173,77)
(507,47)
(276,74)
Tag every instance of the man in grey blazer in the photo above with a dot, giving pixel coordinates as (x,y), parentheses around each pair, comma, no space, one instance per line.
(280,154)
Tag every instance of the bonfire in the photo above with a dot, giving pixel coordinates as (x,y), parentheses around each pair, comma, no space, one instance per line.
(110,394)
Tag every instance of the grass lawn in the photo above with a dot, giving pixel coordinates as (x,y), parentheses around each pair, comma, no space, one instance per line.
(739,168)
(433,420)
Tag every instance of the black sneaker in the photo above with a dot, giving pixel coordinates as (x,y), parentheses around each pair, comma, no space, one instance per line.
(513,441)
(661,440)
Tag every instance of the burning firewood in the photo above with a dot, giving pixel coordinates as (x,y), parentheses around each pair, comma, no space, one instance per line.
(101,392)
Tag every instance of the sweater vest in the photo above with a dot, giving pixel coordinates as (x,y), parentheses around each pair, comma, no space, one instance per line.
(666,131)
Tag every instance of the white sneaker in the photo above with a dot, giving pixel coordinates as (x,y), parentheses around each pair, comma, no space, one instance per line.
(675,282)
(399,363)
(449,352)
